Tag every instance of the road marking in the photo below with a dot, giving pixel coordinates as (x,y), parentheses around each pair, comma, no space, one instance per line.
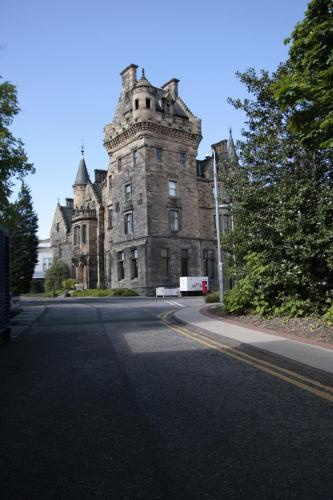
(175,303)
(305,383)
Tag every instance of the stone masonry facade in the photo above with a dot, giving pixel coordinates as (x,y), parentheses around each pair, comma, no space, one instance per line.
(149,218)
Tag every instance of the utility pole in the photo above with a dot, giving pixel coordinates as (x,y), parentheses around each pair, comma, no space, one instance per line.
(218,230)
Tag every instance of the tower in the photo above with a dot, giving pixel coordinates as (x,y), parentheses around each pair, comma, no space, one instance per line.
(87,221)
(157,229)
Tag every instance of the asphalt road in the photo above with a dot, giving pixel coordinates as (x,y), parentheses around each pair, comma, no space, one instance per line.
(101,400)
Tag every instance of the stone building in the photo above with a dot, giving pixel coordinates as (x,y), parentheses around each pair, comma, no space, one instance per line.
(77,233)
(149,218)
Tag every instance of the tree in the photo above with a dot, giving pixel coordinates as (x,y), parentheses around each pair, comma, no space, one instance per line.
(305,86)
(22,223)
(283,204)
(55,275)
(13,160)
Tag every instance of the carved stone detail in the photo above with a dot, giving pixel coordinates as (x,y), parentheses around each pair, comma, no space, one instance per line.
(137,128)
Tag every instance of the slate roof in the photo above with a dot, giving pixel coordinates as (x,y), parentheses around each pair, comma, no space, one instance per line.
(143,82)
(231,147)
(97,188)
(82,176)
(67,216)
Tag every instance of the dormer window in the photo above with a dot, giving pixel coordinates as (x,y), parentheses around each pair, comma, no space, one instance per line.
(136,103)
(147,103)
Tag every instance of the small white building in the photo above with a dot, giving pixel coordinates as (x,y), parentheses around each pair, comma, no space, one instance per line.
(45,258)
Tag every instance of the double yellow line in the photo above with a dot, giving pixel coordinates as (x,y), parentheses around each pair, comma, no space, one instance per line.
(291,377)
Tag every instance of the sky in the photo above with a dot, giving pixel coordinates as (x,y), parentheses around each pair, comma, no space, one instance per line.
(65,58)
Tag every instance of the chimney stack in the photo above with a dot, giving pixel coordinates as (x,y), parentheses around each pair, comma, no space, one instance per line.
(100,175)
(128,77)
(172,86)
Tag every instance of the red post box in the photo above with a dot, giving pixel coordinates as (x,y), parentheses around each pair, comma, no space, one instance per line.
(204,287)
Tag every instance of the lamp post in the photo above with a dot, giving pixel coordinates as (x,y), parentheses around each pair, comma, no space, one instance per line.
(230,206)
(218,232)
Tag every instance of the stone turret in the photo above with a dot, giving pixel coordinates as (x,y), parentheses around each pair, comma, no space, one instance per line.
(143,100)
(142,106)
(81,180)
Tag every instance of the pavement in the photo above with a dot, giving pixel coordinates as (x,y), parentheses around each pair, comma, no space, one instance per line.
(23,320)
(320,358)
(314,356)
(103,400)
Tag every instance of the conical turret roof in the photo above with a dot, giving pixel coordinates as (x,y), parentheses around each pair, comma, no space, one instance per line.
(143,82)
(231,146)
(82,176)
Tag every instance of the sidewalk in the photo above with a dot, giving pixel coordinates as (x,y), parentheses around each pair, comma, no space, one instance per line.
(314,356)
(25,319)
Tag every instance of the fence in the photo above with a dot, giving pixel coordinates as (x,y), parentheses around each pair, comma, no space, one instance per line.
(4,284)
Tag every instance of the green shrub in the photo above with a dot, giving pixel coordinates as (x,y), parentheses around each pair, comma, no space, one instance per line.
(236,301)
(55,275)
(107,292)
(69,284)
(293,307)
(212,297)
(253,290)
(328,316)
(124,292)
(36,286)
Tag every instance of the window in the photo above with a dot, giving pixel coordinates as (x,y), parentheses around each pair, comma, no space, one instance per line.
(110,182)
(136,103)
(164,262)
(121,270)
(227,222)
(147,103)
(47,262)
(183,158)
(174,220)
(128,192)
(57,227)
(158,154)
(119,165)
(173,188)
(77,235)
(209,263)
(135,158)
(140,199)
(184,261)
(134,263)
(128,223)
(84,233)
(110,216)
